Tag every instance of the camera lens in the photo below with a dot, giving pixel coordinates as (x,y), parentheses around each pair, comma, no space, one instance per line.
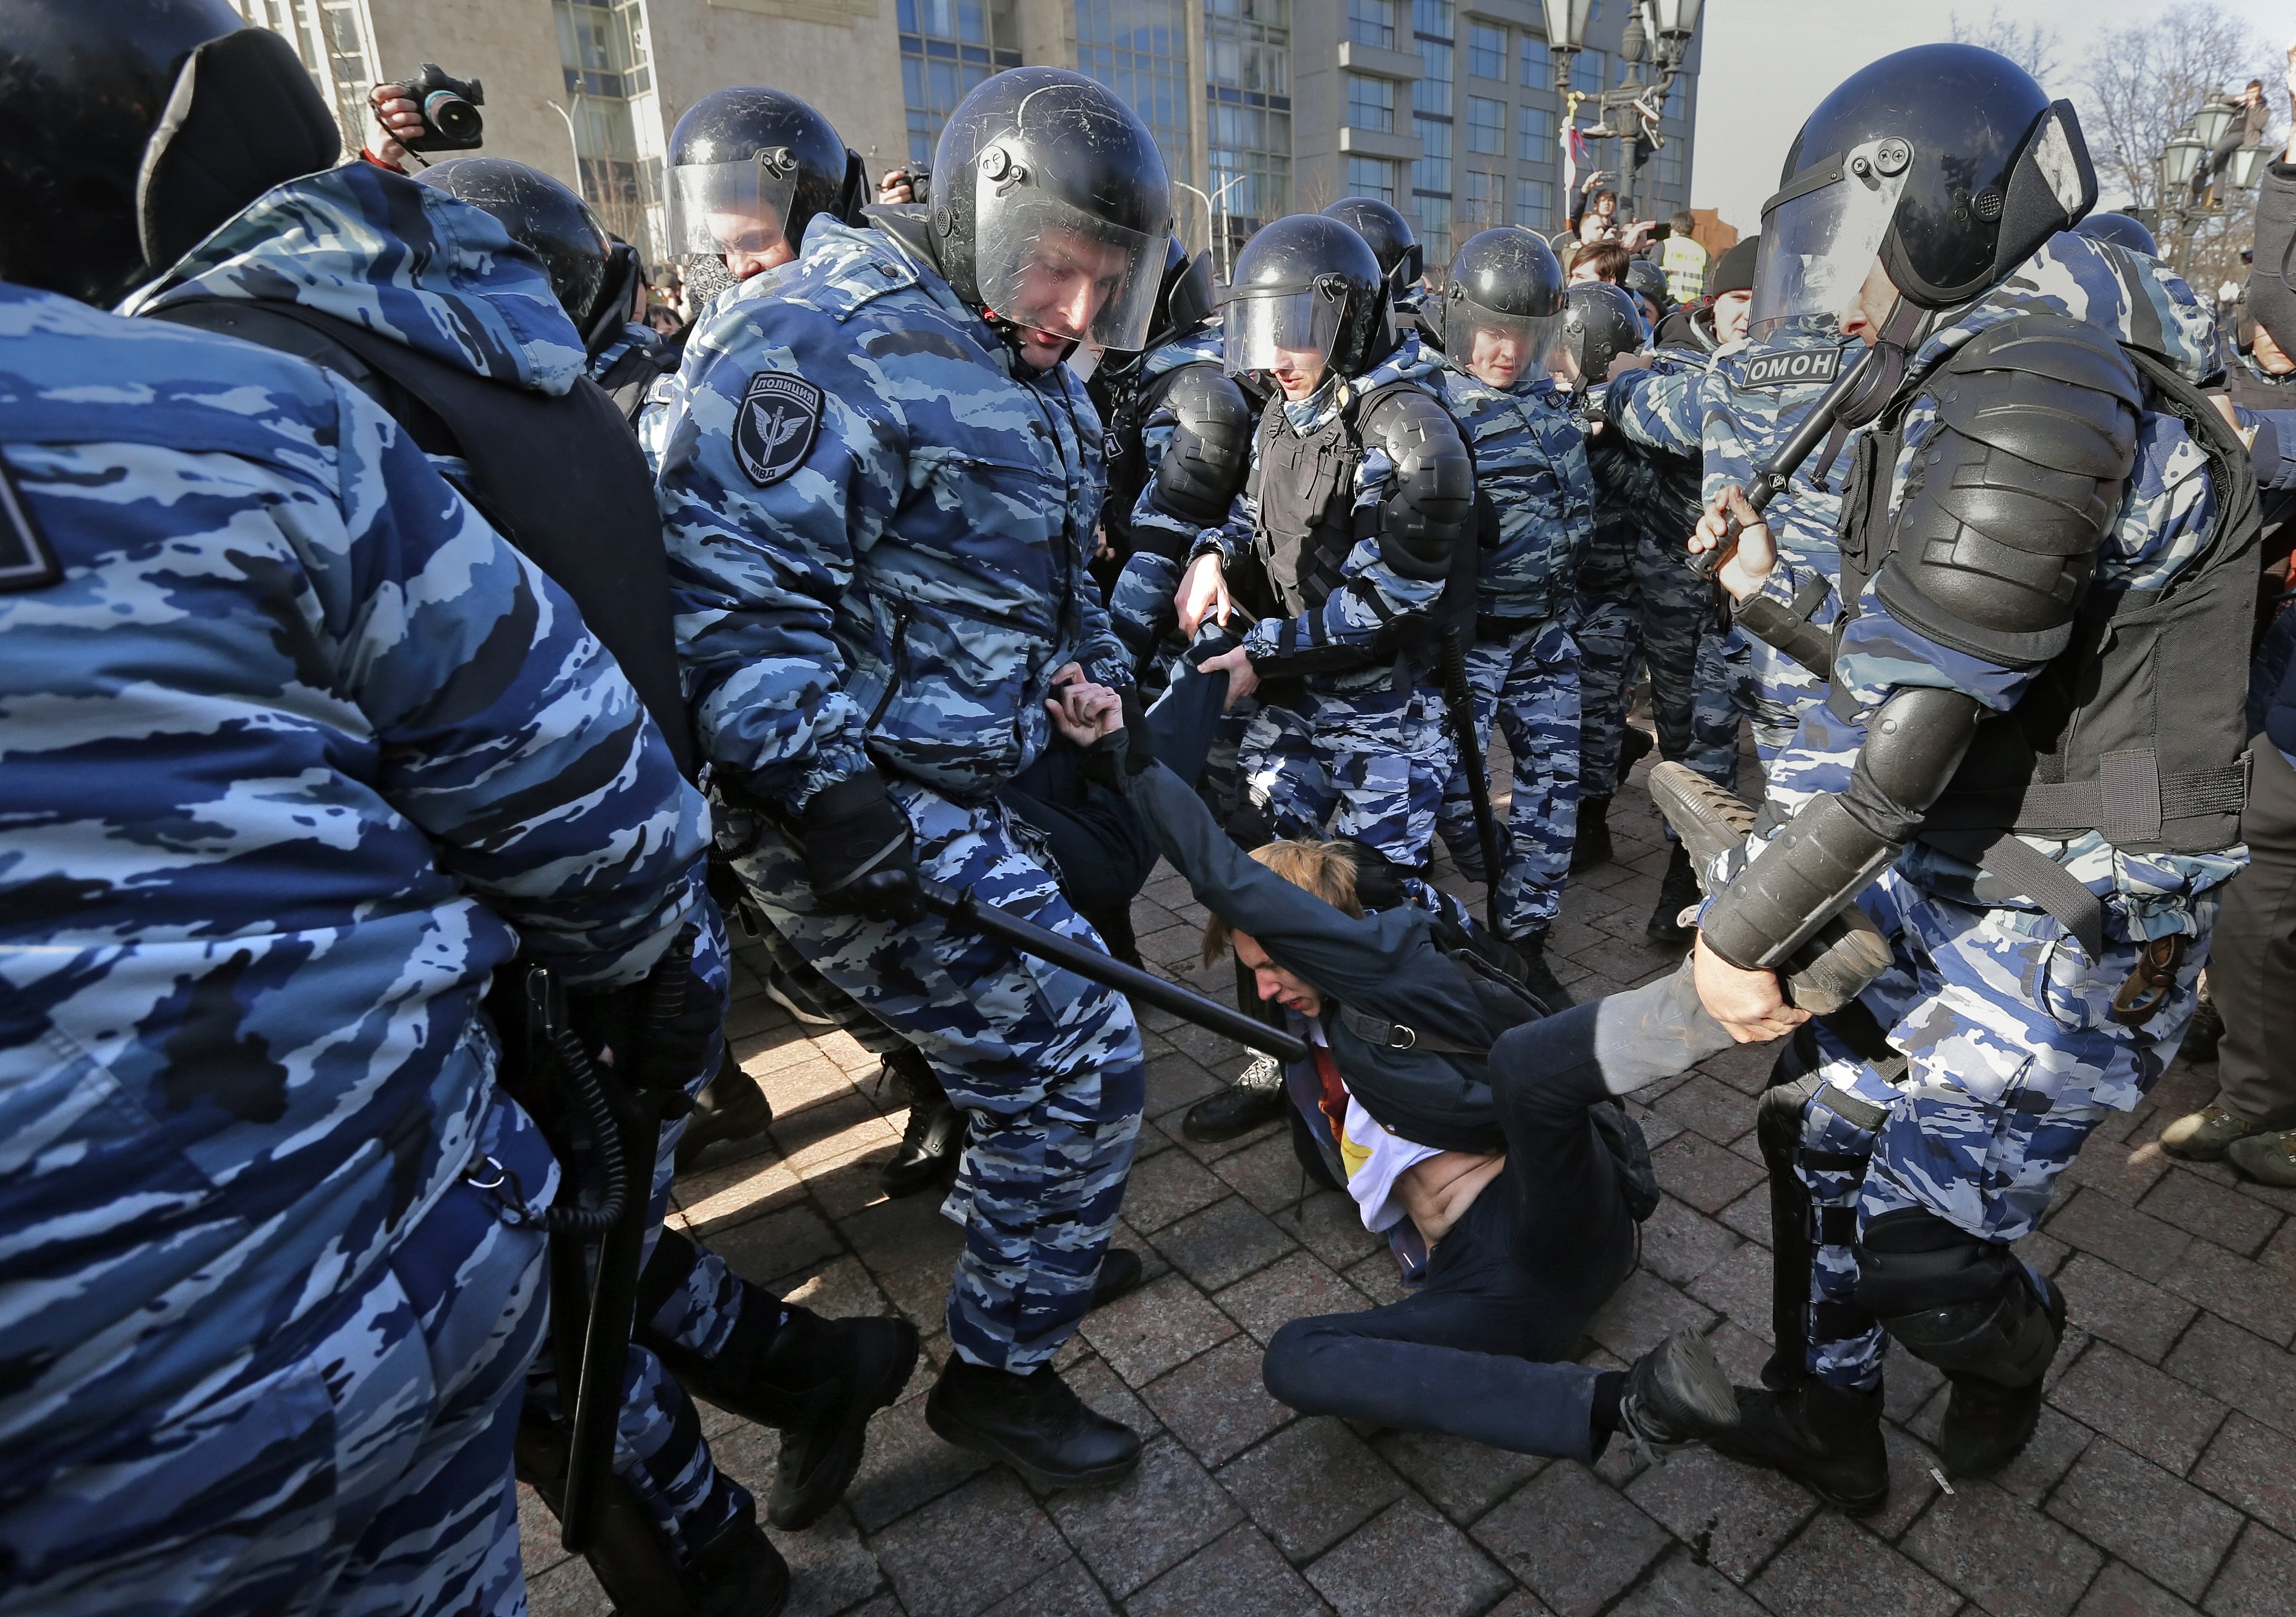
(452,116)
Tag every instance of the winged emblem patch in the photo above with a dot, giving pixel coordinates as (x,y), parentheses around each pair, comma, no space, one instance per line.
(780,418)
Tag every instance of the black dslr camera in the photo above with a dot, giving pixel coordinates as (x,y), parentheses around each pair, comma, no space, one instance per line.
(450,111)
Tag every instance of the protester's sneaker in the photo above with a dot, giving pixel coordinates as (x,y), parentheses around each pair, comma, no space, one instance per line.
(1677,1394)
(2270,1158)
(1826,1439)
(1253,1099)
(2207,1134)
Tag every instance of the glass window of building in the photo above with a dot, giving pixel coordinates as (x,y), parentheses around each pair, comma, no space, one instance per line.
(602,53)
(1482,201)
(1431,94)
(1372,22)
(1486,125)
(1372,177)
(1430,222)
(1248,106)
(1431,176)
(1534,205)
(1537,65)
(1535,135)
(1590,72)
(1139,49)
(947,46)
(1432,17)
(1667,167)
(1486,51)
(1371,103)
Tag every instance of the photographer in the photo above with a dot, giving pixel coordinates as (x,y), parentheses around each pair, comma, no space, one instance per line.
(1501,1167)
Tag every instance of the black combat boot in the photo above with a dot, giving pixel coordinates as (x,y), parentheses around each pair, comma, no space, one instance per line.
(1677,891)
(934,1139)
(1119,1275)
(1593,847)
(1827,1440)
(730,1108)
(1988,1425)
(1635,744)
(1033,1423)
(1538,976)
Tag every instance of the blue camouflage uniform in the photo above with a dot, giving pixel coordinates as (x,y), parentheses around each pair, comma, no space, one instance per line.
(1608,614)
(1522,669)
(2013,1058)
(438,274)
(895,592)
(1362,755)
(298,753)
(1735,414)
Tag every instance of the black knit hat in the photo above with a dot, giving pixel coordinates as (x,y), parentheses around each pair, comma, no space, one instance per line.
(1734,271)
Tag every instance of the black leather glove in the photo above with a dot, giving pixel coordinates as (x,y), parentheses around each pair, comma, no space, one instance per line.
(859,854)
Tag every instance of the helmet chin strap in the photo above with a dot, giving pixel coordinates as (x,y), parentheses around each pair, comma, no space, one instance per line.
(1008,332)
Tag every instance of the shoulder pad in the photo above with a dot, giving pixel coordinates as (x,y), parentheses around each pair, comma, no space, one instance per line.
(1210,451)
(2047,389)
(1429,513)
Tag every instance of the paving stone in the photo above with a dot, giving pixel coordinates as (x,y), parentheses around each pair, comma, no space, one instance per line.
(1090,1378)
(2057,1441)
(1708,1106)
(2122,1591)
(777,1243)
(1734,1517)
(1834,1566)
(2256,1581)
(1267,1173)
(1169,1185)
(2252,1467)
(1407,1560)
(2167,1529)
(905,1465)
(1680,1587)
(2159,1416)
(1461,1478)
(1147,1524)
(1574,1540)
(1176,1081)
(1746,1068)
(939,1558)
(2280,1252)
(1215,1404)
(1522,1603)
(1223,1243)
(1642,1313)
(1293,1288)
(1068,1590)
(1240,1576)
(1739,1286)
(2012,1560)
(567,1589)
(1156,1328)
(1310,1485)
(2042,1251)
(2138,1242)
(2109,1302)
(1906,1384)
(1377,1278)
(2244,1370)
(1680,1244)
(1914,1471)
(1328,1225)
(2257,1296)
(2123,1171)
(2213,1213)
(830,1570)
(1749,1215)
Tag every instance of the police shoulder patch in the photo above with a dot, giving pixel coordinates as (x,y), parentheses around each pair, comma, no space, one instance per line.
(1786,370)
(26,562)
(779,419)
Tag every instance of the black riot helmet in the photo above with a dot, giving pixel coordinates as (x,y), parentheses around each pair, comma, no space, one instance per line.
(1647,281)
(133,127)
(2122,231)
(1050,208)
(1947,161)
(1307,283)
(1401,259)
(1184,302)
(1600,321)
(750,169)
(1501,316)
(554,224)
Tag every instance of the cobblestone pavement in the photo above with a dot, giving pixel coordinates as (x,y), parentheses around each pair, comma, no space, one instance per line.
(2163,1479)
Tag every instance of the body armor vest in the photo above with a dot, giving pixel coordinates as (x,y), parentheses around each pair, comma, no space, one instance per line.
(2137,728)
(1307,520)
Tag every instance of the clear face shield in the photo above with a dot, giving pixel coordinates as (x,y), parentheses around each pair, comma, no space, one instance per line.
(1503,349)
(1283,331)
(1046,265)
(739,206)
(1821,233)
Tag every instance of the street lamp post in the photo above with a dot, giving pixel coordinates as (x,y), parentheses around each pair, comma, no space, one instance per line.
(573,140)
(1642,101)
(1216,205)
(2179,163)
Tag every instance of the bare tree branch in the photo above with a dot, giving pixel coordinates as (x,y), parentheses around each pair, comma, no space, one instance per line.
(2030,45)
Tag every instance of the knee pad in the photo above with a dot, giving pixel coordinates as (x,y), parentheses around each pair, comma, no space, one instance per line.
(1964,1305)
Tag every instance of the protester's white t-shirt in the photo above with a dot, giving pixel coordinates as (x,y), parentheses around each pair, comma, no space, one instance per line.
(1375,1157)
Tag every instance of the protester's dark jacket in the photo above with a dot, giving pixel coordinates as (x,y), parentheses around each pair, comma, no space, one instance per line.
(2272,280)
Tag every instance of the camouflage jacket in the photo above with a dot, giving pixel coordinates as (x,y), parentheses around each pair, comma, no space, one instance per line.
(1141,600)
(878,524)
(1530,464)
(299,752)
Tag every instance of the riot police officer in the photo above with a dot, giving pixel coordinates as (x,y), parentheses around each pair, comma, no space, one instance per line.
(1401,258)
(1361,500)
(1500,322)
(880,531)
(2041,843)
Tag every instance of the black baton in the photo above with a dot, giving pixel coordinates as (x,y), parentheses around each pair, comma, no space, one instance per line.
(1772,476)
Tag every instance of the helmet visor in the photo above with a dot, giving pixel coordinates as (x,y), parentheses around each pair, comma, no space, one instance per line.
(1278,330)
(741,207)
(1501,348)
(1049,265)
(1821,235)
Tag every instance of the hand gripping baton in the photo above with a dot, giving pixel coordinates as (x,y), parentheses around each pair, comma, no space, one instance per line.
(1771,477)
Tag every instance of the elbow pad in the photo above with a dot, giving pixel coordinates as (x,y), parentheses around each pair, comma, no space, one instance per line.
(1203,469)
(2014,489)
(1429,511)
(1831,850)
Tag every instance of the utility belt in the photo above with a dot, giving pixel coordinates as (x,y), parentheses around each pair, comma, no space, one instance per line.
(1492,629)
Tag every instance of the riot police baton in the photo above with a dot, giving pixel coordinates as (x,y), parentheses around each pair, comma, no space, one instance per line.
(960,908)
(1771,477)
(1460,702)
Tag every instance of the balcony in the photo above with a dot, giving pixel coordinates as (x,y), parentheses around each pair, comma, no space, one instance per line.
(1357,58)
(1373,143)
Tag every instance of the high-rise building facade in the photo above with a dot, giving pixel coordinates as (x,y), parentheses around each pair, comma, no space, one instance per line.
(1445,108)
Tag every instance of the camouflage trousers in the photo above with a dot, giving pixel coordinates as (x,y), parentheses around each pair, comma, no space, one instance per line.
(1527,685)
(1369,766)
(1049,1066)
(364,1469)
(2011,1058)
(1699,675)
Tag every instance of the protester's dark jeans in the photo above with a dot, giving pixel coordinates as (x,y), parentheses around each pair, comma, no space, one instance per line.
(1509,1289)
